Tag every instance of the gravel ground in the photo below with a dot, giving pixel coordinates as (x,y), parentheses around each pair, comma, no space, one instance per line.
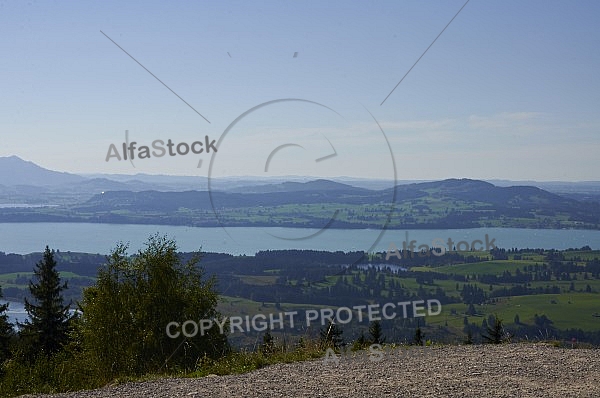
(516,370)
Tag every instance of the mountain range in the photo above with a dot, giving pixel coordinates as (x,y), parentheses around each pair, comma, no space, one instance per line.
(451,203)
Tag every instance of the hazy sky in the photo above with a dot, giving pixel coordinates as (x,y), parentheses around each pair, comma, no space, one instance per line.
(510,90)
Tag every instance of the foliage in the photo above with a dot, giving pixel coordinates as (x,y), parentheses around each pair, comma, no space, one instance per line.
(376,333)
(331,336)
(46,330)
(64,371)
(469,338)
(471,310)
(360,343)
(268,343)
(6,332)
(418,337)
(126,313)
(247,361)
(495,334)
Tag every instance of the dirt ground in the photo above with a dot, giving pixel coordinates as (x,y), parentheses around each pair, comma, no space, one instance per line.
(515,370)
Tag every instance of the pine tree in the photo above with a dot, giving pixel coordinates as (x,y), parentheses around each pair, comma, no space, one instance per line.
(469,338)
(471,310)
(331,336)
(268,344)
(6,332)
(361,342)
(376,333)
(47,329)
(495,334)
(419,336)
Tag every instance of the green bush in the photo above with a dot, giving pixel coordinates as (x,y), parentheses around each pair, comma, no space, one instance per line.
(123,325)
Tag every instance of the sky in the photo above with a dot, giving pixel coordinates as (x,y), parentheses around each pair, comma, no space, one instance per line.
(510,90)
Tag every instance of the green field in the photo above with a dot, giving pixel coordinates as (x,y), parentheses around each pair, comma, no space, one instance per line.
(573,304)
(495,267)
(567,311)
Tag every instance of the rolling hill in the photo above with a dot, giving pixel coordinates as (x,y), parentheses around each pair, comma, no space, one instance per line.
(453,203)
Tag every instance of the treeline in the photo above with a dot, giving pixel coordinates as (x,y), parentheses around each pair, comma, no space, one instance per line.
(309,267)
(117,329)
(542,329)
(338,278)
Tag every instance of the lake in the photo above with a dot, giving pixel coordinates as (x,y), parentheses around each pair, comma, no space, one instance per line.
(23,238)
(16,311)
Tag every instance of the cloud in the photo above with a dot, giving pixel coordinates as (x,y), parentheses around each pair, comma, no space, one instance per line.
(508,121)
(424,124)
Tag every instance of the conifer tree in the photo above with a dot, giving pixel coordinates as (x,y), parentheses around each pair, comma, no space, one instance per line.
(469,338)
(46,330)
(495,334)
(361,342)
(6,332)
(418,337)
(376,333)
(268,344)
(331,336)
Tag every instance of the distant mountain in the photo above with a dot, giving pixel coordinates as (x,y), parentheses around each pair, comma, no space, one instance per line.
(16,171)
(580,190)
(285,194)
(159,182)
(24,182)
(97,185)
(480,194)
(453,203)
(320,185)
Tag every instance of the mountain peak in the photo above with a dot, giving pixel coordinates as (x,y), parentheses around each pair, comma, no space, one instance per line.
(13,158)
(16,171)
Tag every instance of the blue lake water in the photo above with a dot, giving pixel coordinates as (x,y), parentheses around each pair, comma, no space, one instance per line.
(16,311)
(23,238)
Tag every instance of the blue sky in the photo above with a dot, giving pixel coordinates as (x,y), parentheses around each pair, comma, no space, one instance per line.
(510,90)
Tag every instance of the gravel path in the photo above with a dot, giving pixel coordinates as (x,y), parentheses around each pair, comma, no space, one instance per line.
(516,370)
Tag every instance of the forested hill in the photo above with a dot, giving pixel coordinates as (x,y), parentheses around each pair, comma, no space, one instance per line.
(453,203)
